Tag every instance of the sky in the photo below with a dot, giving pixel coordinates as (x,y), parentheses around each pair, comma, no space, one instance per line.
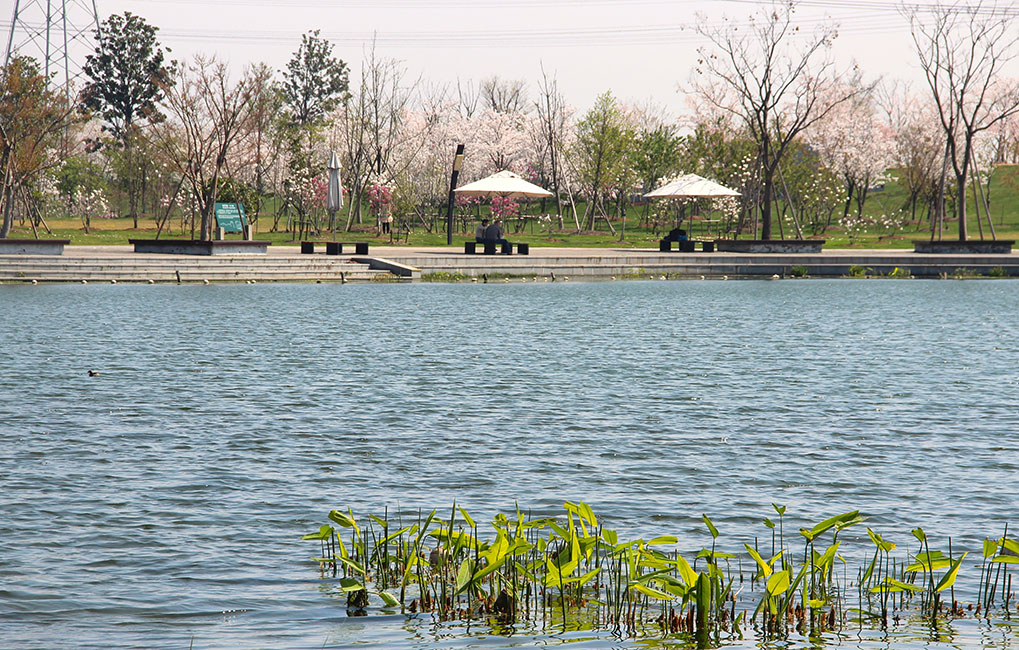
(641,50)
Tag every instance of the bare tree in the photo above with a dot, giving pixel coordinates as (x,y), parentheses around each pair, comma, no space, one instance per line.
(962,50)
(468,96)
(208,115)
(777,79)
(552,115)
(504,95)
(371,123)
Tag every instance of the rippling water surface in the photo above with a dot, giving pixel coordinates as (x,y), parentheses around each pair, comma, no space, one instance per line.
(161,503)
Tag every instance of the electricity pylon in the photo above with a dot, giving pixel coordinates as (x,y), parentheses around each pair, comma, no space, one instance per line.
(57,33)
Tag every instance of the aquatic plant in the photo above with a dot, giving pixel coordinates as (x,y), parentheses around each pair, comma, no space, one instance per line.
(572,567)
(901,273)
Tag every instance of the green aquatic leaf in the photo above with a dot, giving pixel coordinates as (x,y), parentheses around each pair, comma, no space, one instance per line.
(389,599)
(990,547)
(463,574)
(486,571)
(870,568)
(664,539)
(350,584)
(764,566)
(325,532)
(769,523)
(584,579)
(929,561)
(881,542)
(829,555)
(843,520)
(688,575)
(891,585)
(651,591)
(562,532)
(846,522)
(702,595)
(707,552)
(1006,559)
(779,509)
(948,579)
(407,529)
(342,519)
(1010,545)
(467,517)
(711,526)
(352,564)
(778,583)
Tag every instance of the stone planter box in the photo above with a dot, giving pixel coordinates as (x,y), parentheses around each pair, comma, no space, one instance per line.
(33,246)
(769,245)
(195,247)
(978,246)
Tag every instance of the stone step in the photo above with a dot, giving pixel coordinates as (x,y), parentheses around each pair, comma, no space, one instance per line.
(357,274)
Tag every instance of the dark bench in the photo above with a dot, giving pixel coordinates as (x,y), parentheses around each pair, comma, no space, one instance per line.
(688,246)
(335,247)
(489,248)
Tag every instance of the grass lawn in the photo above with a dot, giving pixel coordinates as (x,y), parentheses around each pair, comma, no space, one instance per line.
(1004,199)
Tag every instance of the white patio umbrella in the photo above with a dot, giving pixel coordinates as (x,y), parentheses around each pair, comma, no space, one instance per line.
(691,186)
(334,199)
(334,193)
(504,183)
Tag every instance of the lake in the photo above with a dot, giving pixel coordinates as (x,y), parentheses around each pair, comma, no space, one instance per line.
(161,503)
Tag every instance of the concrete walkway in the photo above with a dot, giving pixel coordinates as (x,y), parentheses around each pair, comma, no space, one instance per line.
(287,264)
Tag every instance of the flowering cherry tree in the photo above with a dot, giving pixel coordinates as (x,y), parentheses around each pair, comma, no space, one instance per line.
(856,145)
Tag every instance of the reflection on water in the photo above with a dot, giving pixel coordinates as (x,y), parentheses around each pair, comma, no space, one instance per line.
(163,500)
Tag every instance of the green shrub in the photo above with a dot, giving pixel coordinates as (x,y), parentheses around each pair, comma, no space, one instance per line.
(857,271)
(998,272)
(900,273)
(798,271)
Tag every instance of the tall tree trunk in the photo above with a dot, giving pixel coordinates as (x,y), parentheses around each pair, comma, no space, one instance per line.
(767,193)
(960,204)
(8,210)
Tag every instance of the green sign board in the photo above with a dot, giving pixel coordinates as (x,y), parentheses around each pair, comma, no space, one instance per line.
(230,217)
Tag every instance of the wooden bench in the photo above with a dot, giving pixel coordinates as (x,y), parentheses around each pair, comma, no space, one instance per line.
(688,246)
(335,247)
(489,248)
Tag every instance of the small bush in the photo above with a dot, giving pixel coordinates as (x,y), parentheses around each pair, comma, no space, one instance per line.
(998,272)
(857,271)
(798,271)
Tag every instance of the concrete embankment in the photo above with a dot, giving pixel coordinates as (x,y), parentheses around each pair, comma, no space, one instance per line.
(393,263)
(127,266)
(622,263)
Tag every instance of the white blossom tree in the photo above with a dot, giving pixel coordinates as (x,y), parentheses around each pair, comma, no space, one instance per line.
(964,52)
(777,80)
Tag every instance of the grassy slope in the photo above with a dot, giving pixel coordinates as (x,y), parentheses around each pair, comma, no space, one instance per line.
(1004,196)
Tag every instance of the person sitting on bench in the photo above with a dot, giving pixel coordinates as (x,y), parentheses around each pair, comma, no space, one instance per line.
(676,234)
(479,233)
(494,233)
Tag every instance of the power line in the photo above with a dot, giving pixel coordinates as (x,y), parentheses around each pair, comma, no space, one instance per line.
(619,35)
